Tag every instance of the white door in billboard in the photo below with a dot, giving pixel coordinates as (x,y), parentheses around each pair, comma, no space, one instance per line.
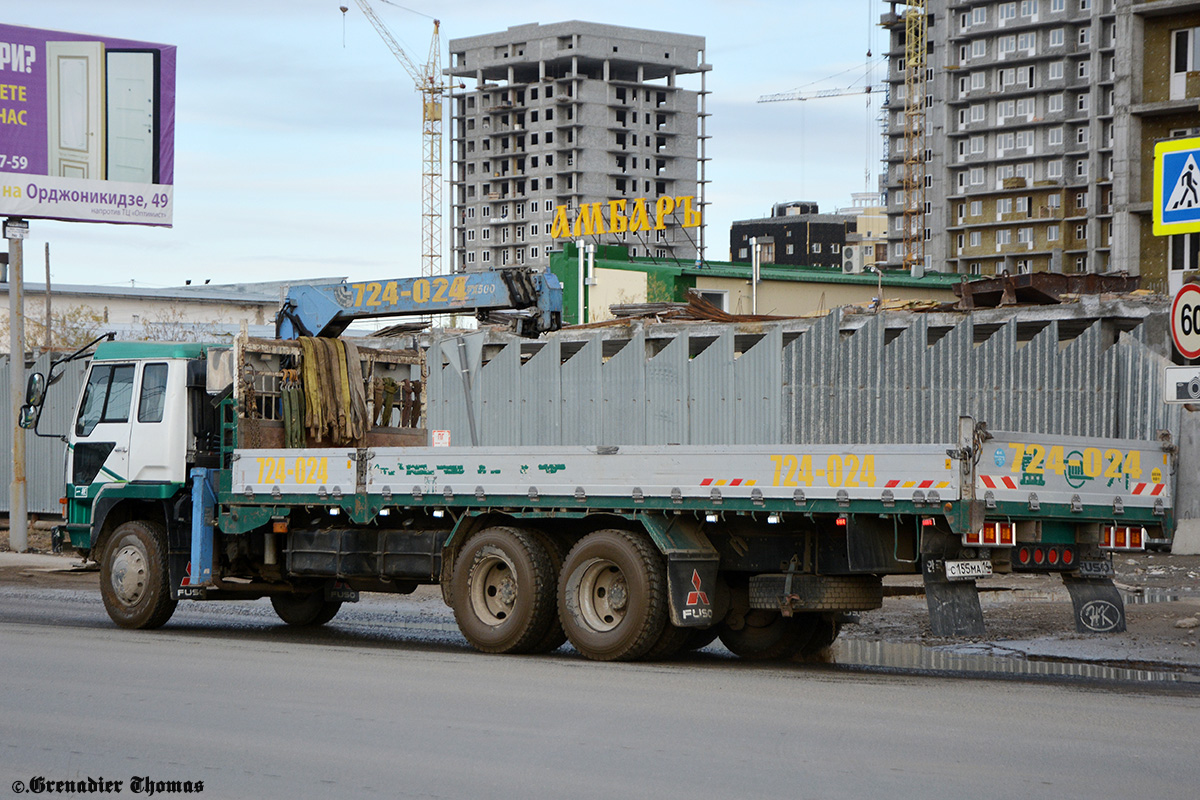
(130,135)
(75,109)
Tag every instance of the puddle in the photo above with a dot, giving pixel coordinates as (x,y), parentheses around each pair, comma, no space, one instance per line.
(907,656)
(1148,596)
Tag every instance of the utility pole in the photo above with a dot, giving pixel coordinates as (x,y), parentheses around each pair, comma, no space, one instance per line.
(15,230)
(46,344)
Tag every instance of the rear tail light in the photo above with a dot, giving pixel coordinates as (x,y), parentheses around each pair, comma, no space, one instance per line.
(1122,537)
(992,534)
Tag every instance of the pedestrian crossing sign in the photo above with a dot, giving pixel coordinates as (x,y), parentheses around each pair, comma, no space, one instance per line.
(1177,186)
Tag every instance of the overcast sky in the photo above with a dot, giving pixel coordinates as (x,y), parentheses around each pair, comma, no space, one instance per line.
(297,156)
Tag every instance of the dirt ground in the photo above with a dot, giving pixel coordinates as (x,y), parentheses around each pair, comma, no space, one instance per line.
(1025,615)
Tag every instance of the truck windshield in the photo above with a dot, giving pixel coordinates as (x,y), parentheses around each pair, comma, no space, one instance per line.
(106,398)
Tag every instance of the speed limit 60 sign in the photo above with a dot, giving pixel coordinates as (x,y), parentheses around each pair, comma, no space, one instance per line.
(1185,320)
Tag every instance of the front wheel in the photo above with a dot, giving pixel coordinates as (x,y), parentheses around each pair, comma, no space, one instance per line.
(134,577)
(305,610)
(612,596)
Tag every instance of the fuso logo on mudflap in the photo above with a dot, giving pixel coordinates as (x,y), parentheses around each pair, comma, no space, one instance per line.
(697,605)
(186,590)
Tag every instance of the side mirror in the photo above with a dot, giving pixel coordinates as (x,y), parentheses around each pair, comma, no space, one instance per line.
(35,390)
(29,416)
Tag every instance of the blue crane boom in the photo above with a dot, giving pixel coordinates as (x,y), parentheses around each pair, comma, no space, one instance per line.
(328,309)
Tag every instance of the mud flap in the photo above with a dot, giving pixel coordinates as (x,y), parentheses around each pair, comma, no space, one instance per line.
(1098,605)
(953,605)
(692,589)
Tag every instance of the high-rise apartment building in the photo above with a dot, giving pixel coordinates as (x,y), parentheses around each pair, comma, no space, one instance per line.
(569,114)
(1040,120)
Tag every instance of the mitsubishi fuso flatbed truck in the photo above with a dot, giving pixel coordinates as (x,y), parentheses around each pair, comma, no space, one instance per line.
(299,469)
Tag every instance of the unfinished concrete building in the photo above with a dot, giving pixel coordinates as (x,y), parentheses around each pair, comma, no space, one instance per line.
(568,114)
(1041,119)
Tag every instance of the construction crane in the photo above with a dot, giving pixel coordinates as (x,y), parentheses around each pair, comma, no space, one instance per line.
(798,95)
(429,82)
(915,43)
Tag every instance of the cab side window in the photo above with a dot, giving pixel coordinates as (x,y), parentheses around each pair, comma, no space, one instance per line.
(106,398)
(154,393)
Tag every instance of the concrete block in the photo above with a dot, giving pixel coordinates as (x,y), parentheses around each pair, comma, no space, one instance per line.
(1187,538)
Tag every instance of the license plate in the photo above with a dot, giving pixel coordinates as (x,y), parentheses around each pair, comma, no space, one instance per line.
(967,570)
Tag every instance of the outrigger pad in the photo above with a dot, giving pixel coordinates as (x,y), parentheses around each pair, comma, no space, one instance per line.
(953,605)
(1098,605)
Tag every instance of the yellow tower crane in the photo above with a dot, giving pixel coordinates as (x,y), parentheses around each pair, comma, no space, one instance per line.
(915,45)
(429,82)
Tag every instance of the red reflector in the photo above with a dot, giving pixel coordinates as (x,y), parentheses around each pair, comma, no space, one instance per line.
(1023,555)
(841,521)
(927,522)
(1120,538)
(1038,556)
(1068,557)
(1053,556)
(989,533)
(1135,537)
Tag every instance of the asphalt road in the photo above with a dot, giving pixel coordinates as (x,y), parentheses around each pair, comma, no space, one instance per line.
(389,701)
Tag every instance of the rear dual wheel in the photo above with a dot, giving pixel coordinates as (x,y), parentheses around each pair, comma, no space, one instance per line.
(612,596)
(503,592)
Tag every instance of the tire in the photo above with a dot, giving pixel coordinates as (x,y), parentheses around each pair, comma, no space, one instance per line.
(305,610)
(700,638)
(825,631)
(555,636)
(134,577)
(671,642)
(612,596)
(501,591)
(768,635)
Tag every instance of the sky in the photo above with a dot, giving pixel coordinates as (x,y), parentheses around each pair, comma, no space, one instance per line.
(298,134)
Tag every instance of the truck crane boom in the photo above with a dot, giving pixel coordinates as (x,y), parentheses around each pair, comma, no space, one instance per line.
(328,309)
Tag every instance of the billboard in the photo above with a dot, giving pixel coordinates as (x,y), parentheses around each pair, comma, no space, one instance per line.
(87,127)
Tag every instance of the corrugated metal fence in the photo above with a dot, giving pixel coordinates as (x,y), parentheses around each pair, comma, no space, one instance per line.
(823,385)
(44,456)
(725,385)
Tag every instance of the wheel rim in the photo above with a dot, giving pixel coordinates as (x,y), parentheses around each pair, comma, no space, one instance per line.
(129,574)
(603,594)
(494,590)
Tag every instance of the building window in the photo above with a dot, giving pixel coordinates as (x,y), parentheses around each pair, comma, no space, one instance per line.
(1052,233)
(1081,231)
(978,48)
(1056,70)
(977,176)
(1058,5)
(978,81)
(1008,11)
(1085,36)
(1081,200)
(790,250)
(1054,137)
(1057,37)
(1029,8)
(1081,264)
(1003,237)
(1082,102)
(979,15)
(1008,44)
(1085,68)
(487,256)
(1184,252)
(1004,205)
(976,238)
(1025,235)
(976,208)
(1054,103)
(977,113)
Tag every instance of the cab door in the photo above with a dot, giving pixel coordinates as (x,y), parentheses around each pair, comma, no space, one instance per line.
(99,451)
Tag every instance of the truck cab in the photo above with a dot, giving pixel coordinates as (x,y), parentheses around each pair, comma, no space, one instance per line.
(141,423)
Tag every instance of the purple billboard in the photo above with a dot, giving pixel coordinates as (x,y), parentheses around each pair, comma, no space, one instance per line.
(87,127)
